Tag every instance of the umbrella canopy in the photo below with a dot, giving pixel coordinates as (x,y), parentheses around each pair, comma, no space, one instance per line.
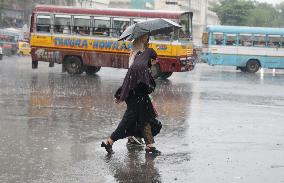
(152,27)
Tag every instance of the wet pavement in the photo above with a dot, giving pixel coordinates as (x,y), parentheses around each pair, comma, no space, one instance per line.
(219,125)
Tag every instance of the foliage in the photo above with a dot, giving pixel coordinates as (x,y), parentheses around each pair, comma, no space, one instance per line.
(264,15)
(249,13)
(233,12)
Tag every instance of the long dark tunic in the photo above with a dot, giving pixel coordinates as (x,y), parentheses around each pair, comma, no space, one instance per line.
(138,84)
(139,72)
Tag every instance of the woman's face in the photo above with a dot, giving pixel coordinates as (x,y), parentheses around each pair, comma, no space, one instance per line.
(145,39)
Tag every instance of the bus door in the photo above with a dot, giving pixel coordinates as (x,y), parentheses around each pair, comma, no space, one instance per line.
(41,37)
(216,50)
(275,52)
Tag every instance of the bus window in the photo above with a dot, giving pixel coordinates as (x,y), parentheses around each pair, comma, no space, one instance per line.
(43,23)
(119,25)
(101,26)
(185,31)
(259,40)
(62,24)
(81,25)
(217,38)
(231,39)
(274,41)
(246,40)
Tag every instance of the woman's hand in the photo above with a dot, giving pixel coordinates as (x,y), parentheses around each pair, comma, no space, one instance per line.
(153,61)
(131,52)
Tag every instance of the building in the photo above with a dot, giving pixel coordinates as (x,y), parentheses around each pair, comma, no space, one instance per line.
(11,14)
(90,3)
(201,15)
(132,4)
(16,13)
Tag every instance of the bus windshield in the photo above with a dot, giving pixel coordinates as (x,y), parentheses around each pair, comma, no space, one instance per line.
(183,34)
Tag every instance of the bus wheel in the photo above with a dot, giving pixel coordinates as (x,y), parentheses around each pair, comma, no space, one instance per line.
(252,66)
(73,65)
(156,71)
(165,75)
(90,70)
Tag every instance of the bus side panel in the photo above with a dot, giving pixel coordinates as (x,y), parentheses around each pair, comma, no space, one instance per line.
(104,59)
(243,59)
(169,65)
(46,55)
(215,56)
(229,55)
(89,58)
(251,53)
(278,62)
(274,58)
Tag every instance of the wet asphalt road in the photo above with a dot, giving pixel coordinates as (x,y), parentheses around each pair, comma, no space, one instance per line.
(219,125)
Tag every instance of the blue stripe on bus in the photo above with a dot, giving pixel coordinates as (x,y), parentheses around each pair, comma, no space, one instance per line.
(241,60)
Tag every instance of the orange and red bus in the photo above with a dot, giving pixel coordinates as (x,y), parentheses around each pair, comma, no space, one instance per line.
(84,40)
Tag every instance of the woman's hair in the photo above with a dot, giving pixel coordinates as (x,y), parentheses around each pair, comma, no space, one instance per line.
(138,43)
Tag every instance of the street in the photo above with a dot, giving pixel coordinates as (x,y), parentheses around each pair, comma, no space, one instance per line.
(219,126)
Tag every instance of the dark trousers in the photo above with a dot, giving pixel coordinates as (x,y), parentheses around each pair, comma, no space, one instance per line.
(129,126)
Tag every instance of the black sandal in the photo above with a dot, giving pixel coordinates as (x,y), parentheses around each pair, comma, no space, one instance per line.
(152,150)
(108,147)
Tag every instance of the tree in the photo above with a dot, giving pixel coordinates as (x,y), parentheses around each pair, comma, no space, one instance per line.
(280,9)
(249,13)
(233,12)
(263,15)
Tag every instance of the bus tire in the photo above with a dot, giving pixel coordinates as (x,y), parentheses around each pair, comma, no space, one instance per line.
(73,65)
(34,64)
(156,71)
(91,70)
(252,66)
(165,75)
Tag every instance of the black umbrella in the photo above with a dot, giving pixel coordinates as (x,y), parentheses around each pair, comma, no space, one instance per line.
(152,27)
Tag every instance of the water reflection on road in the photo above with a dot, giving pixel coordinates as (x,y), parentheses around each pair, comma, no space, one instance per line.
(213,120)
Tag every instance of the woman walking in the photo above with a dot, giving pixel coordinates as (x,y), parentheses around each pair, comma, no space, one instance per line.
(137,85)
